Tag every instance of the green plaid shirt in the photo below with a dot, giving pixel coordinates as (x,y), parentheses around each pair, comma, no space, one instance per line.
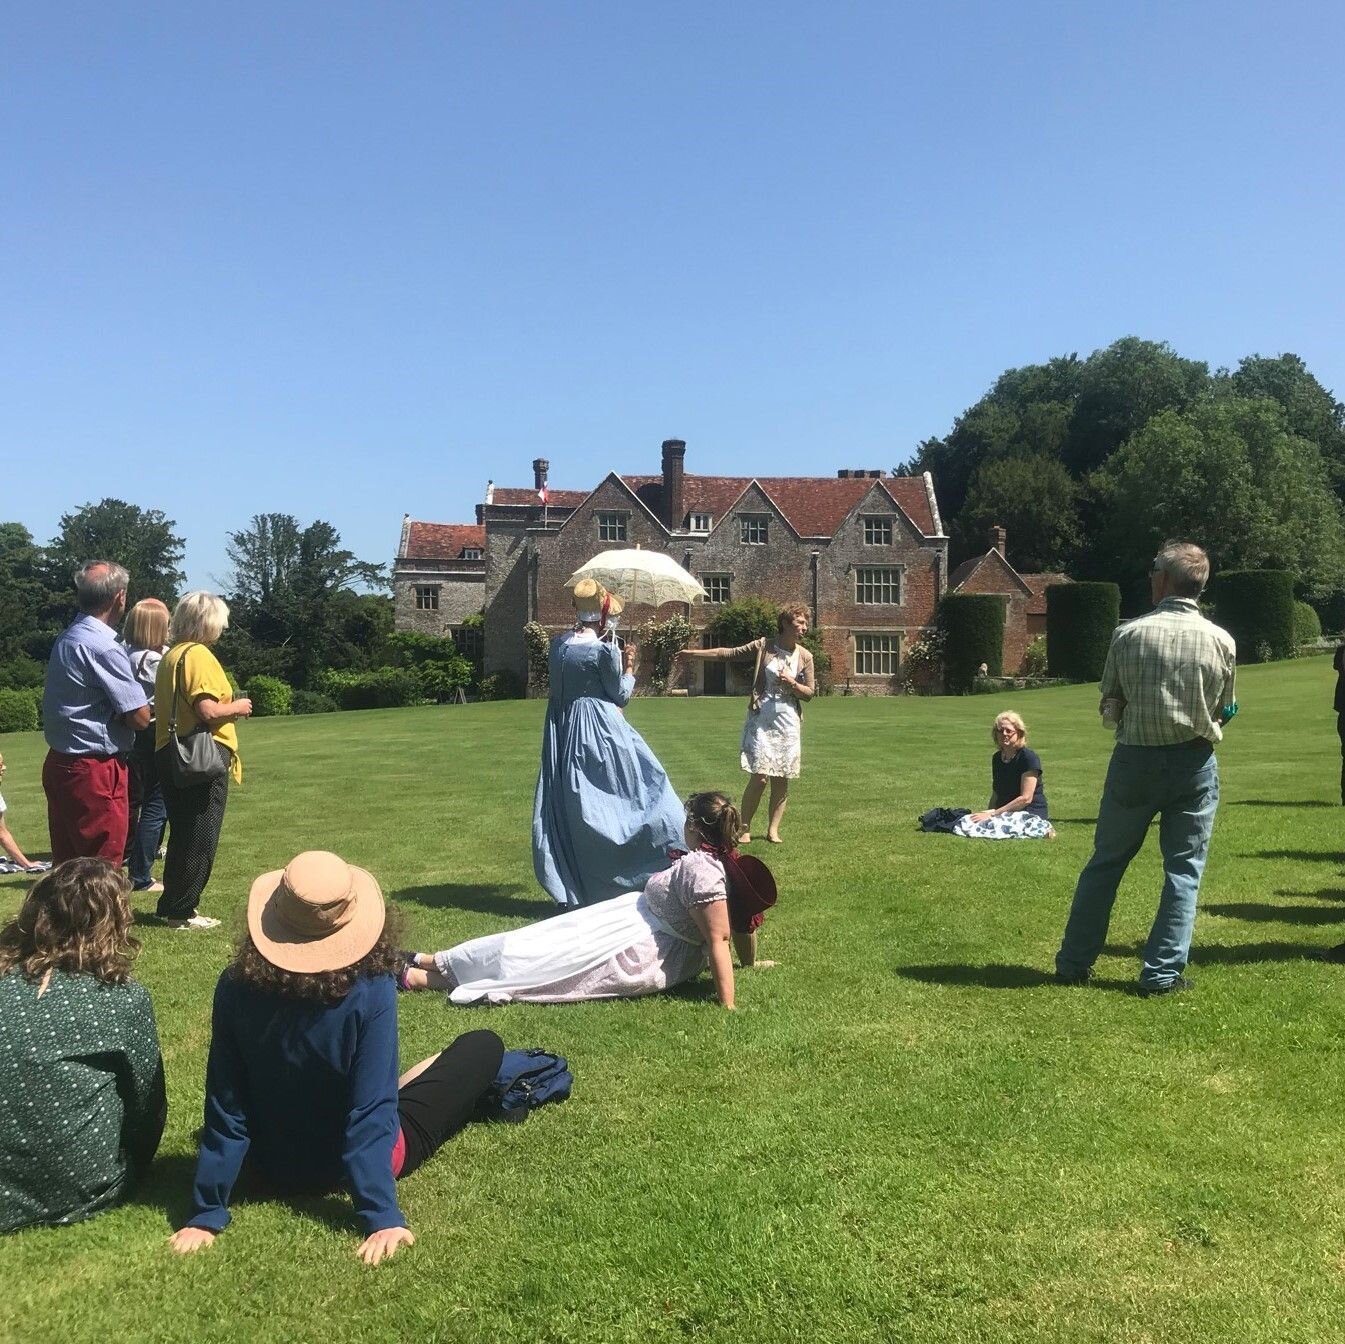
(1174,670)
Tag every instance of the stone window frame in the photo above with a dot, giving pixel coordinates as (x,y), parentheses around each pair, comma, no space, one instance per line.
(707,522)
(878,523)
(471,552)
(873,585)
(612,524)
(427,596)
(711,583)
(894,638)
(754,529)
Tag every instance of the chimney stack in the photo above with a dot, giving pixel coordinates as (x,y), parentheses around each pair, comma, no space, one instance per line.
(998,539)
(674,495)
(540,466)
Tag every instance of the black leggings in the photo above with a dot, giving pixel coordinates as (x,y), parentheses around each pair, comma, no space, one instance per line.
(195,818)
(437,1103)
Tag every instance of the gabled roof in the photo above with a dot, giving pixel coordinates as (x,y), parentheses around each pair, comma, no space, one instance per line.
(442,541)
(814,506)
(967,568)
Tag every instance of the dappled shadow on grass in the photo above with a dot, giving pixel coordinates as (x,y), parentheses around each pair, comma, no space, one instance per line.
(168,1183)
(1276,914)
(1283,802)
(484,900)
(997,976)
(1230,954)
(699,990)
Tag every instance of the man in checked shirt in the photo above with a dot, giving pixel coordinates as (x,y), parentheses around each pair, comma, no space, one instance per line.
(1172,671)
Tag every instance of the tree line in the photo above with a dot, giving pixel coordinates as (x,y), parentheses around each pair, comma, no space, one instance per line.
(304,610)
(1090,464)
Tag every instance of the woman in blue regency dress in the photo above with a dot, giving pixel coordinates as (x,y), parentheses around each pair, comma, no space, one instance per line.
(604,816)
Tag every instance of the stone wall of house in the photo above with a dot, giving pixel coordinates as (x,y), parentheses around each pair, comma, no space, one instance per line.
(461,592)
(508,579)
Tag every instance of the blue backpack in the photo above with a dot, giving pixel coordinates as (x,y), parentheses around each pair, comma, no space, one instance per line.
(527,1079)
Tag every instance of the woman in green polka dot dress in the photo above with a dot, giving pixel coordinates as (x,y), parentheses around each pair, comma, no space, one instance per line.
(82,1101)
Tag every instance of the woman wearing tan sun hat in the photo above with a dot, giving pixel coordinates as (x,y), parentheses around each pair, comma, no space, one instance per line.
(604,814)
(302,1074)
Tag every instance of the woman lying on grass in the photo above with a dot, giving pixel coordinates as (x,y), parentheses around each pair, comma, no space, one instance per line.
(638,943)
(302,1074)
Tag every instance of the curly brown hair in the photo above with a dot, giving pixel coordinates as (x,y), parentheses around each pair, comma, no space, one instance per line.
(249,967)
(77,918)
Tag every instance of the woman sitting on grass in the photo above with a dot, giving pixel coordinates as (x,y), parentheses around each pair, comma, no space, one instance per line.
(82,1103)
(1017,808)
(637,943)
(302,1074)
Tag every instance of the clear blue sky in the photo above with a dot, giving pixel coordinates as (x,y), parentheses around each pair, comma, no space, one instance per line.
(349,260)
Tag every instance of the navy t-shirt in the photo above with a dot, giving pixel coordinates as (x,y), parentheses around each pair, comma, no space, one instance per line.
(1008,779)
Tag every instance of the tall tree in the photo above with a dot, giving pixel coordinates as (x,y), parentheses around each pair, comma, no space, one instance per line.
(293,588)
(26,628)
(141,539)
(1310,411)
(1033,498)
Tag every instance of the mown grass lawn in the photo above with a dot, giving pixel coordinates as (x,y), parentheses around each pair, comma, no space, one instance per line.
(905,1133)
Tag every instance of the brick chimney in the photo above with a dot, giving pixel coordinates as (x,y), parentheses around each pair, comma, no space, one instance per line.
(674,495)
(540,466)
(998,539)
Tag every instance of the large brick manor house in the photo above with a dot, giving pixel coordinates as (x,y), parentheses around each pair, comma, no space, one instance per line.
(865,552)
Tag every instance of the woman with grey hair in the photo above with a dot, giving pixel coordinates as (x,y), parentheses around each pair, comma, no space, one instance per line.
(191,691)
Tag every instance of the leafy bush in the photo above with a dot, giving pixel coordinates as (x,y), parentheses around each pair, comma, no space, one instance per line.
(1034,658)
(21,673)
(922,665)
(441,681)
(1080,621)
(742,621)
(270,696)
(1256,606)
(1307,625)
(385,688)
(973,633)
(19,710)
(312,702)
(538,642)
(812,641)
(660,642)
(503,686)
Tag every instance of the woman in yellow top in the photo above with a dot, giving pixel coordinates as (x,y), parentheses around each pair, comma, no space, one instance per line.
(191,686)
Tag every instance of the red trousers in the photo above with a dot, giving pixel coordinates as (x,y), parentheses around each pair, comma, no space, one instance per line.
(88,806)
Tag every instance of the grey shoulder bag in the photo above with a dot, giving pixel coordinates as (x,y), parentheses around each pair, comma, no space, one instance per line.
(195,759)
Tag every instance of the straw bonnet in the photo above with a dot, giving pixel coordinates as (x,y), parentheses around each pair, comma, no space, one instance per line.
(593,602)
(317,914)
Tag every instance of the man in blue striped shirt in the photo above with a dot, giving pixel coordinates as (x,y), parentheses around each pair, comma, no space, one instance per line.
(1170,676)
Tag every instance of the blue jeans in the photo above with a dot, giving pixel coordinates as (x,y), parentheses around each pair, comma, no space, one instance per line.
(1179,785)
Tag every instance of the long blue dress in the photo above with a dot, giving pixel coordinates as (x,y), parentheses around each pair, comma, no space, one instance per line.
(605,815)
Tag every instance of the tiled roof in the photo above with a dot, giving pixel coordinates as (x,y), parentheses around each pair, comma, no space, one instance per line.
(963,572)
(560,499)
(1039,583)
(443,541)
(815,506)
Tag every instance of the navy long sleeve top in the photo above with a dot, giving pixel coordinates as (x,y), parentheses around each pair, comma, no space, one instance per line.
(309,1091)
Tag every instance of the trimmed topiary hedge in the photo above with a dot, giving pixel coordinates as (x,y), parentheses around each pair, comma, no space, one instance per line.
(1256,607)
(269,695)
(973,633)
(312,702)
(18,711)
(1080,619)
(1307,625)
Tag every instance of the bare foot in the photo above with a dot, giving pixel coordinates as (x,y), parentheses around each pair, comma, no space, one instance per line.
(774,839)
(745,838)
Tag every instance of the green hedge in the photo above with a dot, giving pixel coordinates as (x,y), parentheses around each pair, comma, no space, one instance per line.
(19,711)
(973,633)
(1256,606)
(270,696)
(1307,625)
(1080,620)
(387,688)
(312,702)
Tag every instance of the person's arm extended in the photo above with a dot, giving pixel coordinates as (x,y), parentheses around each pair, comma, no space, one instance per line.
(722,655)
(1027,791)
(214,713)
(713,921)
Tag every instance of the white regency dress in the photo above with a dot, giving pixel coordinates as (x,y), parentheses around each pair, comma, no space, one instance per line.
(772,736)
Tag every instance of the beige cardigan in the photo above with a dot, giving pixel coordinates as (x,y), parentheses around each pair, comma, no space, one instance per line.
(759,647)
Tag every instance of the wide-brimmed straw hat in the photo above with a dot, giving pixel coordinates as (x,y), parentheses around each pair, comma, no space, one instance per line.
(318,913)
(593,602)
(751,891)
